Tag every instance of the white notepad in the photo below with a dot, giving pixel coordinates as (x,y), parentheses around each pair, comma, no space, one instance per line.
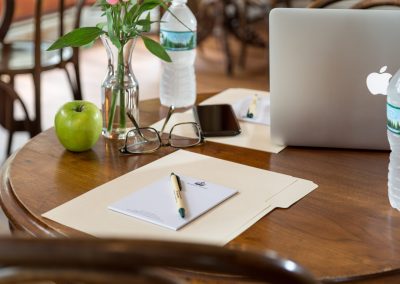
(155,203)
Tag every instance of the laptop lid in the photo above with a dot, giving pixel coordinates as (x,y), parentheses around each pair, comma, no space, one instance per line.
(319,63)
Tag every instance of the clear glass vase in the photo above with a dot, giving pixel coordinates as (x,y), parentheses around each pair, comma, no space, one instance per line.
(120,90)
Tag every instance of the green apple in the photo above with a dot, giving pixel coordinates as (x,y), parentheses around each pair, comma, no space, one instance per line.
(78,125)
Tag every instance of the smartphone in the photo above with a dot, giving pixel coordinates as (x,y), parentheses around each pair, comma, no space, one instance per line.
(216,120)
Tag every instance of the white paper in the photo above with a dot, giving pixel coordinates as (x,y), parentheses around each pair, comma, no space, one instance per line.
(259,192)
(155,203)
(262,109)
(254,135)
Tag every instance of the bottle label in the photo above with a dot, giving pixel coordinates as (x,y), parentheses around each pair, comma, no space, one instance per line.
(178,41)
(393,118)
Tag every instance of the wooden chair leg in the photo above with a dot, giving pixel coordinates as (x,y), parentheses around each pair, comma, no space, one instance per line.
(37,122)
(9,143)
(243,11)
(78,94)
(8,97)
(75,78)
(71,82)
(223,36)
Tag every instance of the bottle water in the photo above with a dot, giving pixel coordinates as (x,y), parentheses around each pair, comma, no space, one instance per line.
(178,79)
(393,132)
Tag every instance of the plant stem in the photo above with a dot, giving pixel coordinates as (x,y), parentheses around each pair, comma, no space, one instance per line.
(112,111)
(120,73)
(119,90)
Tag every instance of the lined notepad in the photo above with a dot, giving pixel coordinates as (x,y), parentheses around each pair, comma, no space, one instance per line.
(155,203)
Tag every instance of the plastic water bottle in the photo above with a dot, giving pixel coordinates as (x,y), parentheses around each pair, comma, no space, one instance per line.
(393,132)
(178,79)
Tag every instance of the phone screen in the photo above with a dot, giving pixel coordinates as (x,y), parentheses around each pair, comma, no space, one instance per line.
(216,120)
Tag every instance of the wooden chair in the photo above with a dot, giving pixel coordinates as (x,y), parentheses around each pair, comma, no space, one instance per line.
(204,10)
(211,21)
(31,57)
(139,261)
(9,98)
(6,17)
(223,18)
(247,34)
(367,4)
(363,4)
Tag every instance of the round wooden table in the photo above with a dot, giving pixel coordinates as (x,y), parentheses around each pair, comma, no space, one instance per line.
(343,230)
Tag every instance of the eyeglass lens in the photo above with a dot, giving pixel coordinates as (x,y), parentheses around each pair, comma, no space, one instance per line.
(184,135)
(147,142)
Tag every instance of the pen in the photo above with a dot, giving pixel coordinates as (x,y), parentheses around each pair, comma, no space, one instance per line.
(176,187)
(251,112)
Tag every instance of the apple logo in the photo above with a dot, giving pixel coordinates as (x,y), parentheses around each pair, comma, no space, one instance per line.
(377,83)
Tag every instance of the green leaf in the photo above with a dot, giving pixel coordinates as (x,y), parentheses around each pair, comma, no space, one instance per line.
(77,37)
(101,25)
(146,23)
(131,15)
(164,3)
(155,48)
(150,4)
(110,29)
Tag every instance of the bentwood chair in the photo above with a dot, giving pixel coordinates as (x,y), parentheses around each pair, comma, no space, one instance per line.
(250,23)
(251,12)
(204,10)
(9,98)
(221,18)
(140,261)
(363,4)
(31,57)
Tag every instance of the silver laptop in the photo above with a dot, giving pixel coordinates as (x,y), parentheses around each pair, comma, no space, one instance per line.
(320,60)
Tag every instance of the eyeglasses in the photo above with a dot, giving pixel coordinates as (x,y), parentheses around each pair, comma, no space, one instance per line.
(143,140)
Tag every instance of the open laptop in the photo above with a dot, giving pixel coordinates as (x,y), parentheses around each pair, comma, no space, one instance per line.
(320,60)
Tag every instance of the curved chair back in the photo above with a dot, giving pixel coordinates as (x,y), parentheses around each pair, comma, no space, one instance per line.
(363,4)
(30,56)
(8,97)
(7,12)
(38,34)
(367,4)
(128,261)
(204,11)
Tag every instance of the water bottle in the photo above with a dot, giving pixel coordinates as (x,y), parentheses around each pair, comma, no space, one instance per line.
(393,132)
(178,79)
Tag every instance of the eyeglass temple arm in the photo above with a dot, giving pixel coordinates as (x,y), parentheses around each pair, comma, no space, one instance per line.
(170,112)
(135,123)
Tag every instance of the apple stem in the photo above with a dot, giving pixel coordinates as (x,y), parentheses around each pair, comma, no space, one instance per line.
(80,108)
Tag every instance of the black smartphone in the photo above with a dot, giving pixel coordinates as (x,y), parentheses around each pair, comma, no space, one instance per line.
(216,120)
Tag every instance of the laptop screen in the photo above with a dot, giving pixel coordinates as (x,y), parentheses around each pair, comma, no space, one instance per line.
(320,60)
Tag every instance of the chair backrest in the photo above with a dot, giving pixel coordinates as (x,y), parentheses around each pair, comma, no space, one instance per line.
(363,4)
(127,261)
(35,10)
(7,12)
(367,4)
(61,24)
(204,11)
(8,97)
(8,8)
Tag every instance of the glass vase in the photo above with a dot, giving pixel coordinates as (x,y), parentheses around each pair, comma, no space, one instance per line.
(120,90)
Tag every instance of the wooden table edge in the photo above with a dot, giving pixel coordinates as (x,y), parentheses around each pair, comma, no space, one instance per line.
(34,224)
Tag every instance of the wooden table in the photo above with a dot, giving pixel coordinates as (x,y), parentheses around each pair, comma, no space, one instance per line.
(344,229)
